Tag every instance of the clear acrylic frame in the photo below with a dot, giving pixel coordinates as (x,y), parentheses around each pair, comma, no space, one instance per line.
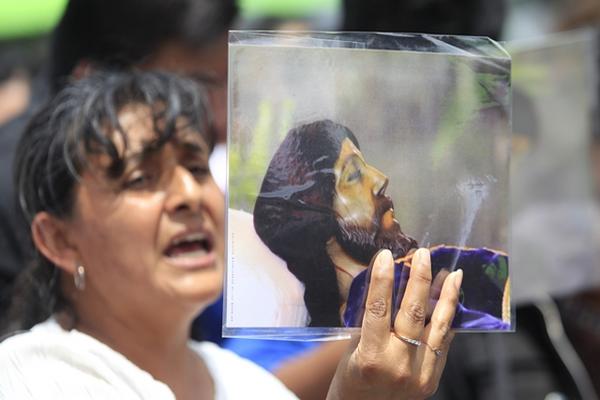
(342,143)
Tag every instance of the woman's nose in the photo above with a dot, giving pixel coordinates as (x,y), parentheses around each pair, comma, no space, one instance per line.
(185,192)
(379,181)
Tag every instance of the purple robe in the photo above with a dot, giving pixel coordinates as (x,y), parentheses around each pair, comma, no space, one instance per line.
(482,291)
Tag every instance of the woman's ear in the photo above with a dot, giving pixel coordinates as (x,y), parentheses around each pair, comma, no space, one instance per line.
(50,237)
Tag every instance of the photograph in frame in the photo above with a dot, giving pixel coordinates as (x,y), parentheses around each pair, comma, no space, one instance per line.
(344,144)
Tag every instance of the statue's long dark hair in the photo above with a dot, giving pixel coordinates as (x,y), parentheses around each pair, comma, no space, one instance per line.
(293,213)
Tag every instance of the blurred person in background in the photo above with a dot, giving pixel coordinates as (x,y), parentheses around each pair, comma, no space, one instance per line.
(15,73)
(20,91)
(23,47)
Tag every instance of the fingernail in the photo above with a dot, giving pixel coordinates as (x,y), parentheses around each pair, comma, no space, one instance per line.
(385,257)
(421,255)
(458,278)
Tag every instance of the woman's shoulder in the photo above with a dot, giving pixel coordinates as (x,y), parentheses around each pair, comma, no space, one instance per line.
(47,342)
(27,345)
(236,377)
(49,362)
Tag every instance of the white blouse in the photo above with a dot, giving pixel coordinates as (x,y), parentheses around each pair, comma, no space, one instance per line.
(48,362)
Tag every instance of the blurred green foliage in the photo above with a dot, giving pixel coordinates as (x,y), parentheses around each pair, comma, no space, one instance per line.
(286,8)
(248,160)
(22,18)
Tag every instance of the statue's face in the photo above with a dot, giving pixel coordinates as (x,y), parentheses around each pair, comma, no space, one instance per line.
(360,191)
(365,214)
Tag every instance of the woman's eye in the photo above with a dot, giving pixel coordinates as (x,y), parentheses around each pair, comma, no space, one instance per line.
(199,171)
(138,181)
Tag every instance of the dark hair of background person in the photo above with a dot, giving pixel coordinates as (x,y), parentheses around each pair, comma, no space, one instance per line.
(54,149)
(123,33)
(296,225)
(454,17)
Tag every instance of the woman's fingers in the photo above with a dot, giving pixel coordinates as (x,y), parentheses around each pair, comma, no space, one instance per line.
(438,333)
(410,319)
(437,284)
(375,331)
(408,367)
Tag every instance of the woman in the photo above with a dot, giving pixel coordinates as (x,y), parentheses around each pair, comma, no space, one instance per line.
(113,179)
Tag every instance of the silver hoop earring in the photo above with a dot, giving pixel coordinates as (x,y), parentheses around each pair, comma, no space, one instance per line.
(79,277)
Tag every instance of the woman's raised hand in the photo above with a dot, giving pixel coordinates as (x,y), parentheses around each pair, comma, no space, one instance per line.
(406,360)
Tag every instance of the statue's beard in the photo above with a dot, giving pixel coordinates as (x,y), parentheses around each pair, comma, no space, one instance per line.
(362,244)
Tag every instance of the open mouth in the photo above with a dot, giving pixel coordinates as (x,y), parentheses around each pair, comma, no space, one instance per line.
(192,245)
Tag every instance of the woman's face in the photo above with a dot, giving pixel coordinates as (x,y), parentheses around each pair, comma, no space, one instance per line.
(154,236)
